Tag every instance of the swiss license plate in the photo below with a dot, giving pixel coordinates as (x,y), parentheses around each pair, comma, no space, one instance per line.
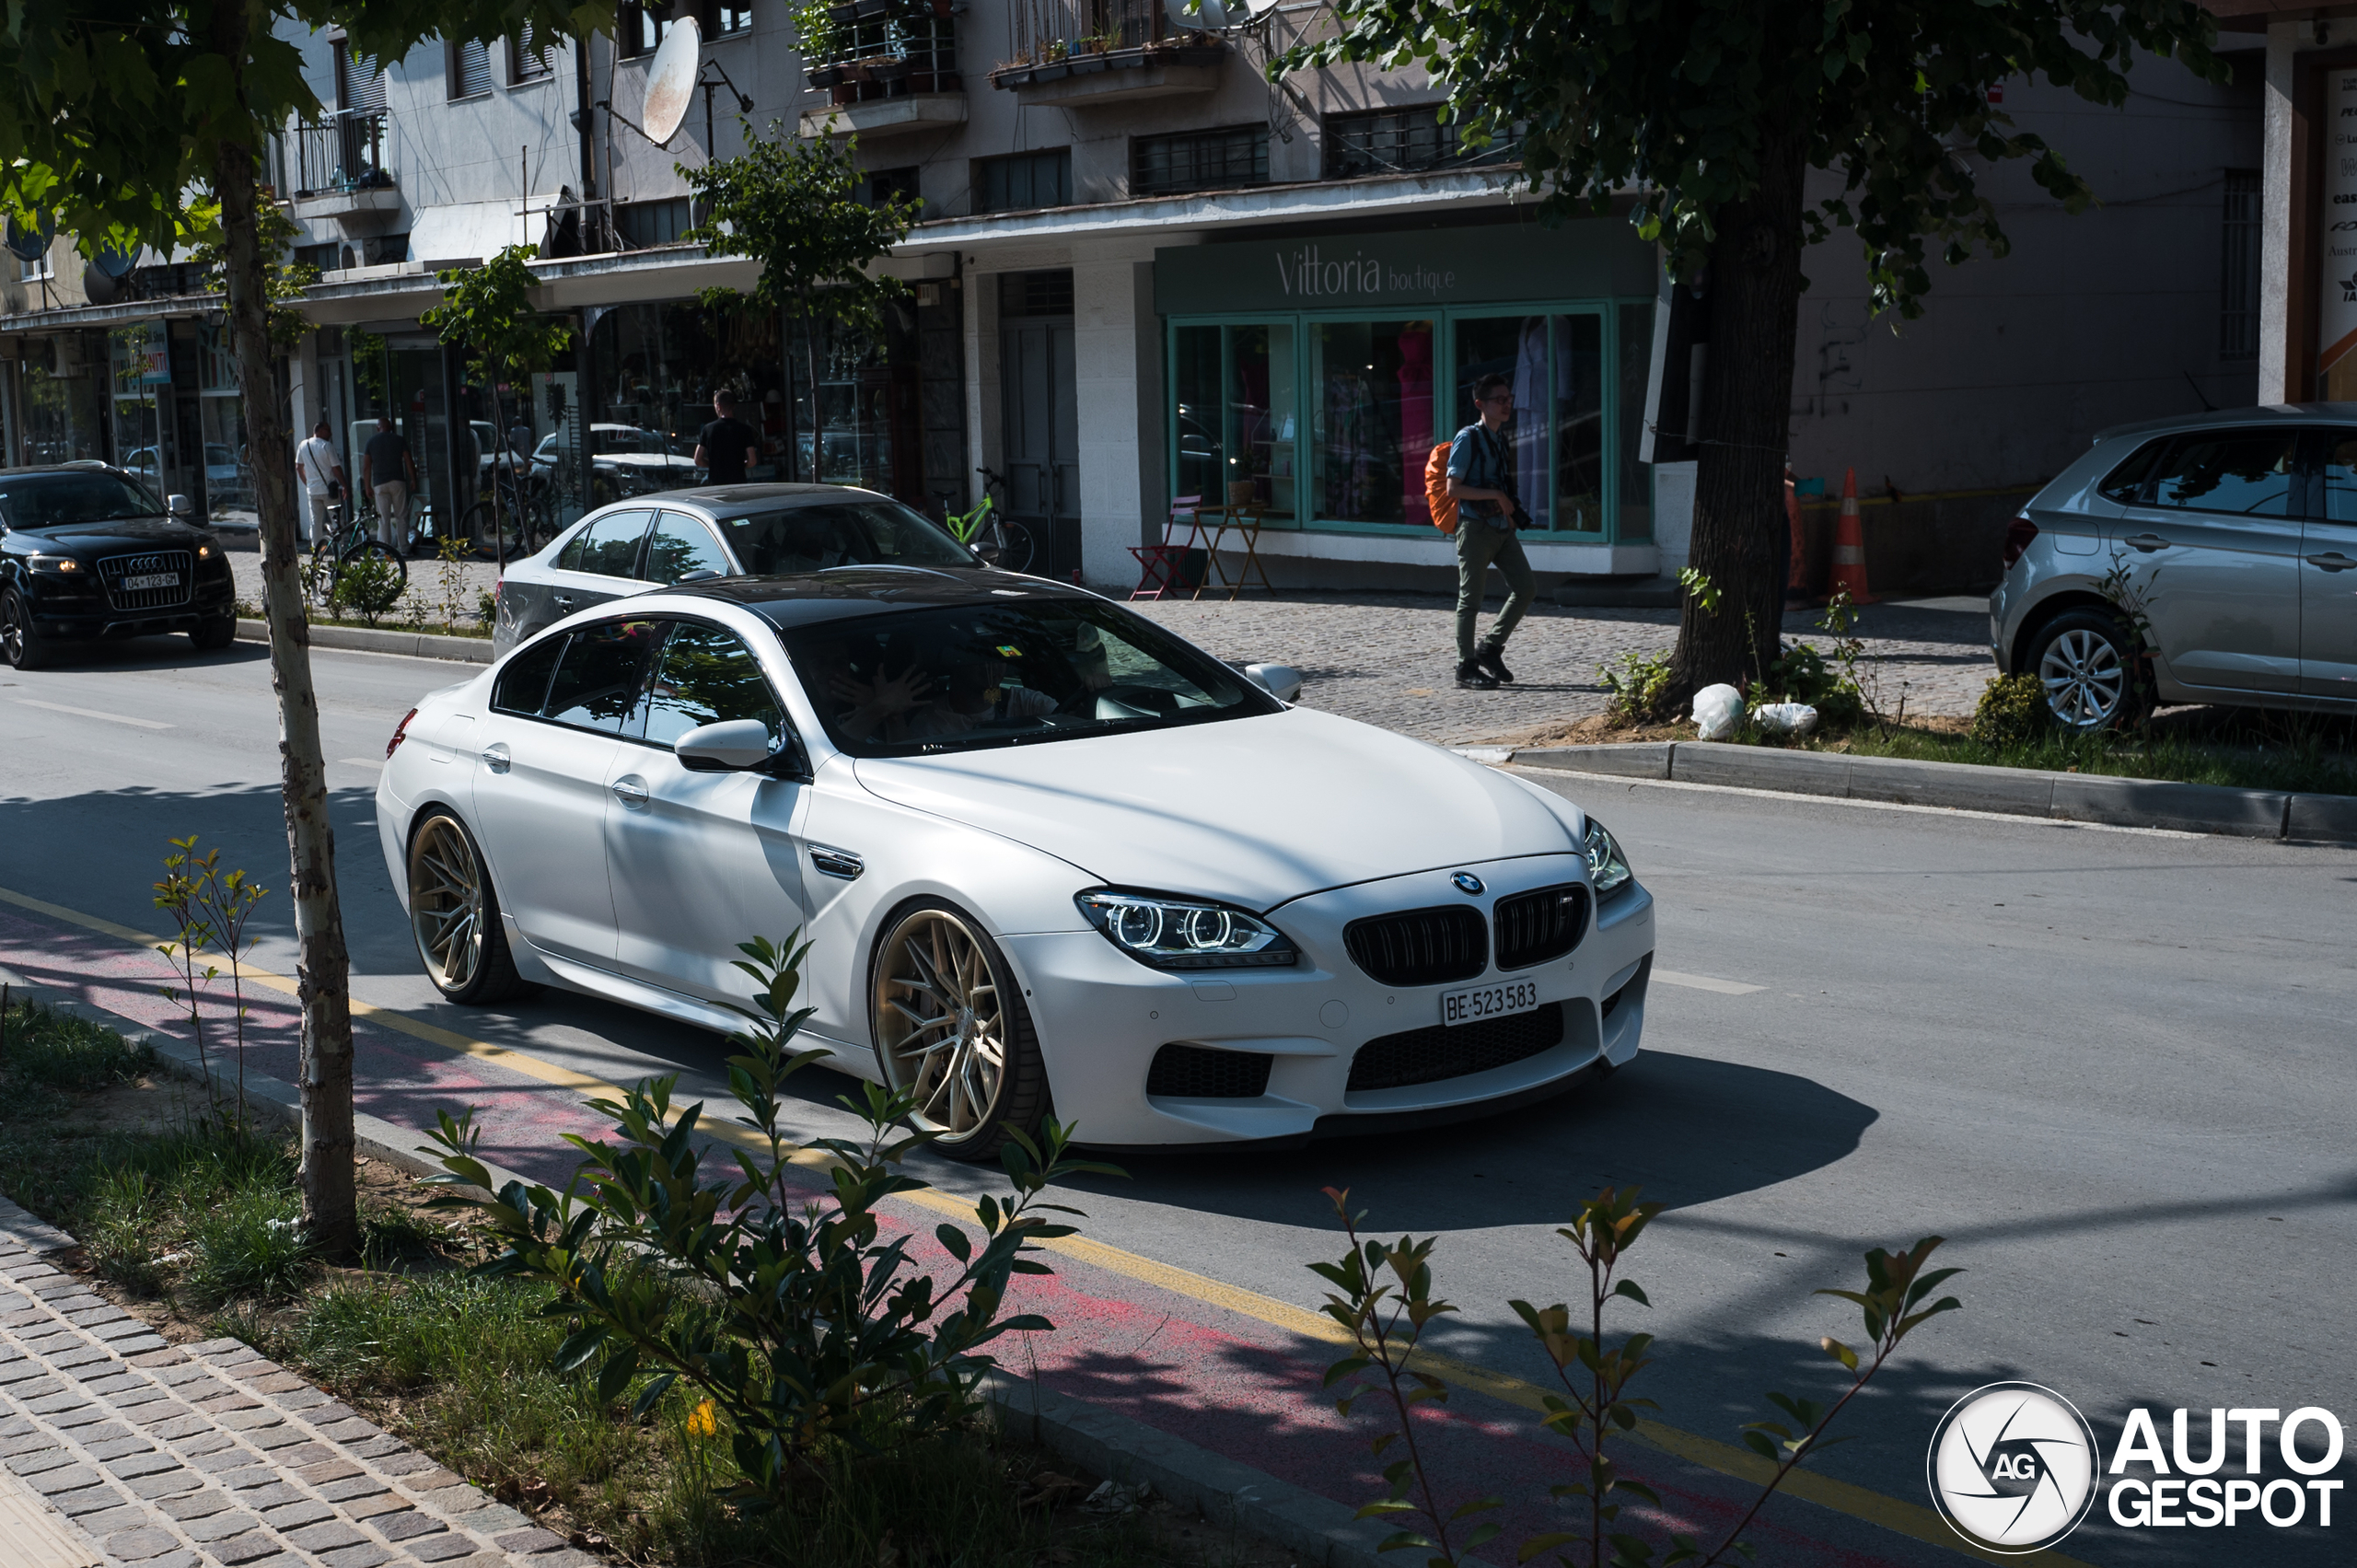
(1476,1003)
(153,580)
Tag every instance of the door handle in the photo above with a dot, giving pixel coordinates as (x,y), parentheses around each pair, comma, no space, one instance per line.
(835,862)
(2147,542)
(2334,562)
(563,601)
(631,790)
(495,757)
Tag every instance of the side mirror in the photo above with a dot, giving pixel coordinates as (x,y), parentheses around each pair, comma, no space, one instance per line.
(179,507)
(1278,680)
(732,746)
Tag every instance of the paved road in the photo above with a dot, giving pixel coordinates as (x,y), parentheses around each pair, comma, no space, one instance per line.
(2113,1067)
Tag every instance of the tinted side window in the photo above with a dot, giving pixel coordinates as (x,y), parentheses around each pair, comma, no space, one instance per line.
(525,681)
(597,682)
(2339,471)
(2126,483)
(2247,472)
(706,676)
(681,545)
(608,546)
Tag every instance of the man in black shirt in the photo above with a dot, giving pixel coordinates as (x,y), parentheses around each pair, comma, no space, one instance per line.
(728,446)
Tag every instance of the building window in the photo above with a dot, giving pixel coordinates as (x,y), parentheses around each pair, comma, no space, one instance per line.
(643,26)
(34,269)
(728,18)
(645,224)
(327,257)
(359,84)
(1395,141)
(878,186)
(470,71)
(528,60)
(1035,293)
(1199,160)
(1024,181)
(2238,270)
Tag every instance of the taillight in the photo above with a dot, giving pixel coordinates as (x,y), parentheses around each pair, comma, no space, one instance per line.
(2018,534)
(400,731)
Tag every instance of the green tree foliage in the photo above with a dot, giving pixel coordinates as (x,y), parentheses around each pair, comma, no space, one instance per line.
(1702,117)
(283,278)
(792,203)
(488,311)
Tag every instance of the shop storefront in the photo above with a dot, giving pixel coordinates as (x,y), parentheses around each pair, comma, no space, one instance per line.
(1312,378)
(654,368)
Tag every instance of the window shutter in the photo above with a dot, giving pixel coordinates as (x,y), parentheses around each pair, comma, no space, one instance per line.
(360,85)
(472,66)
(533,61)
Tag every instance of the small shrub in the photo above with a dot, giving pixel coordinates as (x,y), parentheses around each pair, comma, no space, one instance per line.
(119,1233)
(250,1244)
(1636,682)
(367,586)
(58,1051)
(2013,712)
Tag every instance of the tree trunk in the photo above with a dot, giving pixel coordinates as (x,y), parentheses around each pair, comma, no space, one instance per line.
(323,966)
(1738,541)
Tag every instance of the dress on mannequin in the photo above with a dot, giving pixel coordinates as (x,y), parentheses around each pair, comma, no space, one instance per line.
(1530,415)
(1415,422)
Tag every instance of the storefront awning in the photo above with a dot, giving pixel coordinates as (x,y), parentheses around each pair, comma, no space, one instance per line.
(467,234)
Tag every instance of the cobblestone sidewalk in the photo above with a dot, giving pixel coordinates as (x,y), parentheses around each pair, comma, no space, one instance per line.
(176,1456)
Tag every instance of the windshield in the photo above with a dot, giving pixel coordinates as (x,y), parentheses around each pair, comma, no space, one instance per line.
(842,533)
(921,682)
(49,499)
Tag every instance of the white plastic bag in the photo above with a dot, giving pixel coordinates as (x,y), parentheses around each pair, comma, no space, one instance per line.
(1717,711)
(1786,718)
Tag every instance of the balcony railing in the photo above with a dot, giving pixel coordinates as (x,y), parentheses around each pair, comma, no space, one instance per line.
(877,48)
(1051,39)
(341,153)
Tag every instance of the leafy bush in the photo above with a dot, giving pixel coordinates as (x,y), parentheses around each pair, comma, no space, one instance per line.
(367,586)
(810,1329)
(2012,711)
(1636,683)
(250,1243)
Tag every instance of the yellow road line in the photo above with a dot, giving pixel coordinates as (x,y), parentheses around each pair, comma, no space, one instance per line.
(1904,1518)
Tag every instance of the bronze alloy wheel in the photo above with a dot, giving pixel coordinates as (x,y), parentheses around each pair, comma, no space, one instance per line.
(448,903)
(950,1029)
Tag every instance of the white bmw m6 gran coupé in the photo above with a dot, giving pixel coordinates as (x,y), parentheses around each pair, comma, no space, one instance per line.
(1048,854)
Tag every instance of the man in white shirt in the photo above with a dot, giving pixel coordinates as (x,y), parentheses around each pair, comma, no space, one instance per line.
(322,474)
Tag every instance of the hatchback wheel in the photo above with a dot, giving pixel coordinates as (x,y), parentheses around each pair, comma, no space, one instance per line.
(951,1028)
(455,915)
(25,647)
(2087,662)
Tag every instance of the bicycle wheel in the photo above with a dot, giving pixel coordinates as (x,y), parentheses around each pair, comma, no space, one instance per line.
(390,556)
(1015,547)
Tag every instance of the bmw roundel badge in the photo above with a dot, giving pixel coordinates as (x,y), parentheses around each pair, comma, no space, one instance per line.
(1465,881)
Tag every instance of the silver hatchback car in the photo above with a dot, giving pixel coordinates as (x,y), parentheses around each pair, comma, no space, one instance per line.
(721,531)
(2232,536)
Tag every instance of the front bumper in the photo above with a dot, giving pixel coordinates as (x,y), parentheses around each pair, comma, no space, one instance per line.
(88,617)
(1102,1017)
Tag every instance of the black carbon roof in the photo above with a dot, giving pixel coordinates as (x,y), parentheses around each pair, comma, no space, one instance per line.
(812,597)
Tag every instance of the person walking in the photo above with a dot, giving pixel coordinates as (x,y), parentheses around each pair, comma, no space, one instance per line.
(391,475)
(1482,482)
(322,474)
(728,447)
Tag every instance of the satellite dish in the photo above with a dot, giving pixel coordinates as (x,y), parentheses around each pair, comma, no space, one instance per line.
(1198,15)
(671,83)
(1260,9)
(28,246)
(114,263)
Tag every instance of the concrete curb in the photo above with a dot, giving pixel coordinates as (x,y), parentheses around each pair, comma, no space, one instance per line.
(1229,1494)
(2021,792)
(382,640)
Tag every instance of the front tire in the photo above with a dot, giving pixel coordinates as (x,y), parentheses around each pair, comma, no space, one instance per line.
(950,1026)
(212,636)
(20,641)
(454,915)
(2085,660)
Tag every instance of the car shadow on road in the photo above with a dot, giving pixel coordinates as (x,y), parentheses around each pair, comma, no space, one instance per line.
(169,651)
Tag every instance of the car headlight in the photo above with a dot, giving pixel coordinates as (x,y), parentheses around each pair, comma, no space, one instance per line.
(55,563)
(1606,866)
(1184,933)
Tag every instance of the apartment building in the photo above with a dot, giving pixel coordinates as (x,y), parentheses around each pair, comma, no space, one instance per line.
(1142,272)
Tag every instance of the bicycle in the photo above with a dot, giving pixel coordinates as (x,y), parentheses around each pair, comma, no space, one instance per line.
(346,539)
(999,540)
(519,515)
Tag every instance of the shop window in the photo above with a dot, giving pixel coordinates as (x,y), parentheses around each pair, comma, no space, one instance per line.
(1555,365)
(655,368)
(2238,270)
(1634,502)
(469,68)
(1199,160)
(1023,180)
(645,224)
(1372,425)
(1396,141)
(528,60)
(1235,415)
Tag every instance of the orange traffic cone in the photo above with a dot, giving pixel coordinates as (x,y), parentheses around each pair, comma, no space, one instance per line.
(1850,544)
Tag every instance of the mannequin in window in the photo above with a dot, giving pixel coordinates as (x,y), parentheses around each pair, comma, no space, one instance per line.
(1415,420)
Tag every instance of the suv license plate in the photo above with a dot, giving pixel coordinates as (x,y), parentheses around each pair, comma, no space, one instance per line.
(1476,1003)
(153,580)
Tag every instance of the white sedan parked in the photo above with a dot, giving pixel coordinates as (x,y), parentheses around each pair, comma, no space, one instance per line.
(1047,854)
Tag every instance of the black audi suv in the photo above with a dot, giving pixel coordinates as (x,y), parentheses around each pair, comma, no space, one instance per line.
(88,553)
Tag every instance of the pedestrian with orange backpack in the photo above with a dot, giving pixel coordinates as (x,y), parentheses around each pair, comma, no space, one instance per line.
(1472,495)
